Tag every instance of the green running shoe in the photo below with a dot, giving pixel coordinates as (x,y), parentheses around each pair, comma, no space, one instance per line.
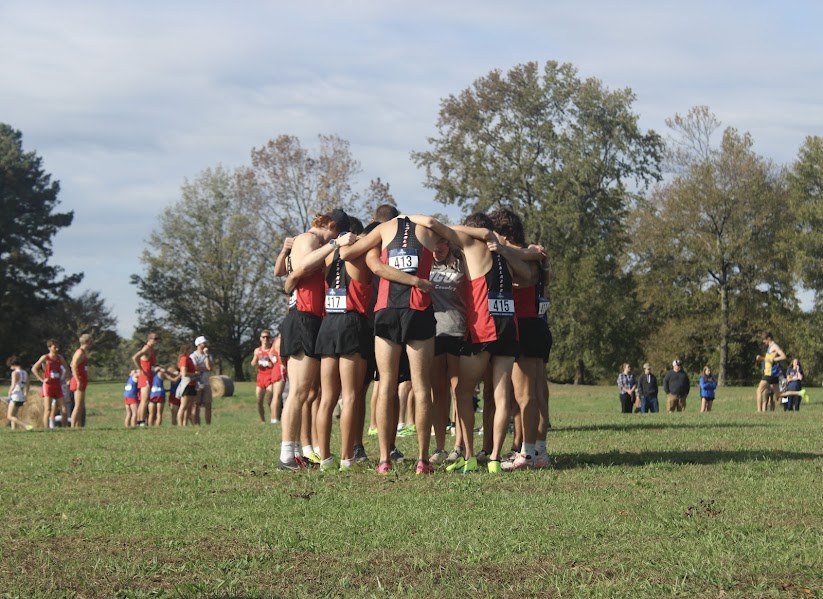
(494,467)
(457,465)
(469,465)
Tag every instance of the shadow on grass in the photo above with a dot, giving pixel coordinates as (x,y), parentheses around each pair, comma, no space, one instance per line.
(616,458)
(652,426)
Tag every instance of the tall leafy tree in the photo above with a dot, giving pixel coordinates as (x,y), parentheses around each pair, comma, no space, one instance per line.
(206,273)
(294,183)
(712,261)
(568,155)
(29,284)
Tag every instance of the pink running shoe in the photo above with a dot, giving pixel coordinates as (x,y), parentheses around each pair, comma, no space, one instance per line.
(520,462)
(542,461)
(423,467)
(384,467)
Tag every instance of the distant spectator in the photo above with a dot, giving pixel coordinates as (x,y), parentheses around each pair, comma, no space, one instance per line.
(707,387)
(794,387)
(676,385)
(647,389)
(627,386)
(771,373)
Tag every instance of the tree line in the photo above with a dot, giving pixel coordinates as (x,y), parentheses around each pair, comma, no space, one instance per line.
(684,244)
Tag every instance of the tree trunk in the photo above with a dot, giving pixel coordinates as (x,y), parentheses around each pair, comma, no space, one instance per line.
(237,362)
(724,335)
(578,375)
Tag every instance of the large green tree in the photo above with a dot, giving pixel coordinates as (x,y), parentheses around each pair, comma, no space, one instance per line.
(206,272)
(712,262)
(568,155)
(29,284)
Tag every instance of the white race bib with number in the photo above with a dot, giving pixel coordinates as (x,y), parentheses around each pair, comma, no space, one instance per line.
(293,299)
(335,300)
(501,303)
(405,259)
(542,306)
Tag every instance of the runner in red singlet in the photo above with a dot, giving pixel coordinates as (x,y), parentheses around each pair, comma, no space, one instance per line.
(80,379)
(267,363)
(300,327)
(145,360)
(52,370)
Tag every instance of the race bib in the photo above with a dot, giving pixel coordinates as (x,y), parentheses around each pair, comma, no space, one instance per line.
(264,362)
(335,300)
(157,389)
(501,303)
(293,299)
(543,307)
(129,387)
(54,375)
(405,259)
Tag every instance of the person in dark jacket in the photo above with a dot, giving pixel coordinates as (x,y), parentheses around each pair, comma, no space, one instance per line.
(707,386)
(676,386)
(647,390)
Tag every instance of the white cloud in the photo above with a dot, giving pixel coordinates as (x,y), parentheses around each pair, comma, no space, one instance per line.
(125,100)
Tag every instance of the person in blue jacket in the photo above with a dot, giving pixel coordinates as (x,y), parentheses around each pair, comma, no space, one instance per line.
(707,386)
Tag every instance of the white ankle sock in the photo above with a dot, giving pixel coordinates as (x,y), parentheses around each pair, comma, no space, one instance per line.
(540,448)
(307,449)
(528,449)
(286,451)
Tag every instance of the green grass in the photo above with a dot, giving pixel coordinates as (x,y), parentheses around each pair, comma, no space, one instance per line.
(728,504)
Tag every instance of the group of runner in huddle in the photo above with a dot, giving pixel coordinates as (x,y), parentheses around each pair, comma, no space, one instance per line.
(409,298)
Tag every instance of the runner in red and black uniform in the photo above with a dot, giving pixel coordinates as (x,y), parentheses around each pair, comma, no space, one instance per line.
(51,370)
(302,323)
(491,328)
(342,344)
(403,316)
(528,375)
(278,377)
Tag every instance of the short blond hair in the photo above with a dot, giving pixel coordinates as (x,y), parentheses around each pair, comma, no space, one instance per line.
(84,338)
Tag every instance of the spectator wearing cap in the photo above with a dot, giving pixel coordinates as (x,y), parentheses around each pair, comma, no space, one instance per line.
(647,390)
(676,385)
(203,365)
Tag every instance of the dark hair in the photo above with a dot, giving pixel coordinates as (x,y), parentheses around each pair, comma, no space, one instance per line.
(508,224)
(13,361)
(385,212)
(355,226)
(371,227)
(51,342)
(479,220)
(341,220)
(766,335)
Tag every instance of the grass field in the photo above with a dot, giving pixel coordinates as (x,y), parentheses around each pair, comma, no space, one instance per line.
(728,504)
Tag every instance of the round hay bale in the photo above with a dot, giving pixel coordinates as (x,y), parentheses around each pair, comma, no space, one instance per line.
(31,412)
(221,386)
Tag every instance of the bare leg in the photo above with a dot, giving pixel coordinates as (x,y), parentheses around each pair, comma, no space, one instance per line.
(79,406)
(501,379)
(471,370)
(387,355)
(330,377)
(351,416)
(420,354)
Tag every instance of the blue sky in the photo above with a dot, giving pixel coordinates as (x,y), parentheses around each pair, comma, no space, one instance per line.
(124,101)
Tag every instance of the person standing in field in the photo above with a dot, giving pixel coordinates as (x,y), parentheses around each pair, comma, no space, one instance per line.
(187,388)
(267,364)
(50,370)
(17,393)
(144,361)
(676,385)
(131,397)
(627,386)
(80,379)
(707,386)
(770,380)
(647,390)
(203,364)
(299,333)
(157,397)
(794,387)
(173,376)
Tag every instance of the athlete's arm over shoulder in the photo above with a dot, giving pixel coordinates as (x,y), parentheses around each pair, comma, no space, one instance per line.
(280,263)
(523,274)
(364,244)
(394,275)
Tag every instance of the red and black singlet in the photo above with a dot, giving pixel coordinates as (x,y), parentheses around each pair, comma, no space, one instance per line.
(529,302)
(344,293)
(309,295)
(406,253)
(490,311)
